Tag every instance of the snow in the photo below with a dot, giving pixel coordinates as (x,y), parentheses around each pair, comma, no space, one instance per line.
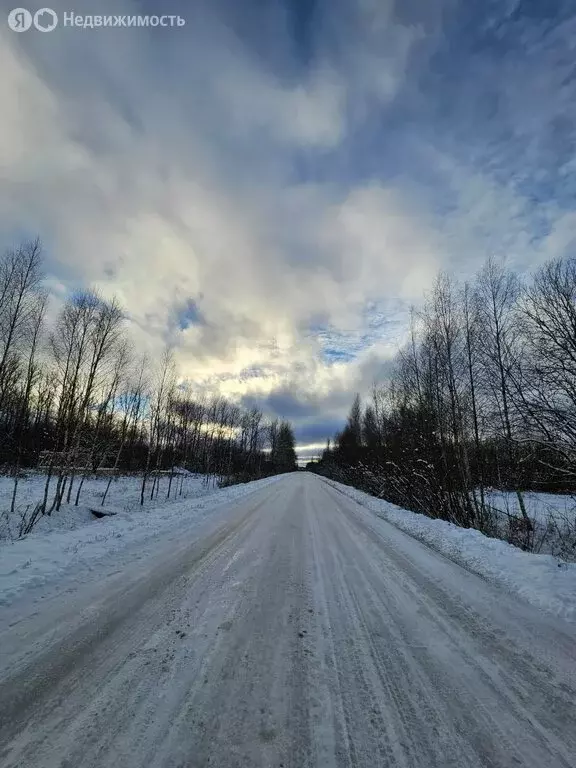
(553,517)
(74,540)
(540,579)
(292,627)
(123,496)
(540,507)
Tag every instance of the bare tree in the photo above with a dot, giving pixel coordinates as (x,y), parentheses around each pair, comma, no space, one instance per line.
(85,345)
(158,403)
(131,404)
(20,278)
(34,331)
(498,293)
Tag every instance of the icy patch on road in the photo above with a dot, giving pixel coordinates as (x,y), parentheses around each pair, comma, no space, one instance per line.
(542,580)
(45,556)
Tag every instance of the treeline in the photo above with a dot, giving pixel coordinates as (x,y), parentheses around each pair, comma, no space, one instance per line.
(75,397)
(482,396)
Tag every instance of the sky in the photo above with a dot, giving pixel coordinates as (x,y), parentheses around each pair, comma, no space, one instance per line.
(270,187)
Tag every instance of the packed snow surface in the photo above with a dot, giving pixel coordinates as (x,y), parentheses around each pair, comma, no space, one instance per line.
(542,580)
(286,625)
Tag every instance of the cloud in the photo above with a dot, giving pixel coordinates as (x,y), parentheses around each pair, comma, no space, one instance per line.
(269,190)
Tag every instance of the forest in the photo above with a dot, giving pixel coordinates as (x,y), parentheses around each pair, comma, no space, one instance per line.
(77,398)
(481,397)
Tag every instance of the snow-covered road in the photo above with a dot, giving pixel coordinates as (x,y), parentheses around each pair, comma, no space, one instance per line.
(297,629)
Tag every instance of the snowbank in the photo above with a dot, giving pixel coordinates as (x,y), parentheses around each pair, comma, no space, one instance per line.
(46,555)
(542,580)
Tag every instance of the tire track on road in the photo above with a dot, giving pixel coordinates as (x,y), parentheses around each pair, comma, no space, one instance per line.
(117,621)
